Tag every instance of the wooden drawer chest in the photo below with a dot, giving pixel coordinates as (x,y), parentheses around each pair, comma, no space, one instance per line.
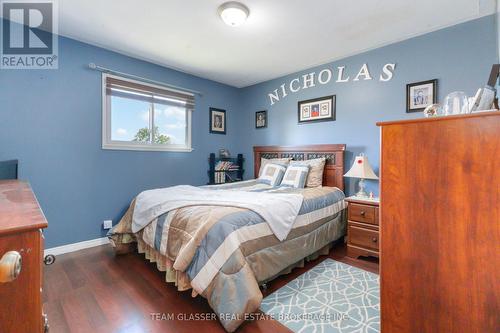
(362,228)
(440,224)
(21,255)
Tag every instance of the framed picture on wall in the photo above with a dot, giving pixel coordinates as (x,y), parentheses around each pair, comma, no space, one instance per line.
(261,119)
(318,109)
(419,95)
(217,121)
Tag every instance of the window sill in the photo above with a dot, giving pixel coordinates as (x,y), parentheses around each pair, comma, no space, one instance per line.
(114,146)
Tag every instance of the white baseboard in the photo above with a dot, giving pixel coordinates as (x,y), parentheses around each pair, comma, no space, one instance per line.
(76,246)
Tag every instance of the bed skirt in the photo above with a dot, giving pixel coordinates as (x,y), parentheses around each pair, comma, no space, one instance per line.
(163,264)
(181,279)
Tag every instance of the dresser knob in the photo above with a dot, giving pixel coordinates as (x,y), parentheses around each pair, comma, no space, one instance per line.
(10,266)
(45,323)
(374,239)
(362,213)
(49,259)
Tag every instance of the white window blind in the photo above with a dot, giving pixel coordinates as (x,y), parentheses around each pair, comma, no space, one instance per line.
(140,116)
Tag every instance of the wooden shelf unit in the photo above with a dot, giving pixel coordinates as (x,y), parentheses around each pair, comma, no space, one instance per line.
(229,176)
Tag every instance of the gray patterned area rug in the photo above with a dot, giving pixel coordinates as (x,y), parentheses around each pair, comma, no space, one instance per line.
(331,297)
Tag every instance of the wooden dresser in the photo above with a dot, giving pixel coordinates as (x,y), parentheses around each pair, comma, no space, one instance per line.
(21,221)
(440,224)
(362,227)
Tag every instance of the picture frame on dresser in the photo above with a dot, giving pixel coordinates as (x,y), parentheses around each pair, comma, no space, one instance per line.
(420,95)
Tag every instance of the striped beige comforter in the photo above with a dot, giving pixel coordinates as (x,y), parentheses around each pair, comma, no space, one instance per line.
(224,253)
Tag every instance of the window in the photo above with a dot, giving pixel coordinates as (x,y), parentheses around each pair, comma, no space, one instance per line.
(141,116)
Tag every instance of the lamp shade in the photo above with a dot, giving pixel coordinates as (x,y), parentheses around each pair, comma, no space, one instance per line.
(361,169)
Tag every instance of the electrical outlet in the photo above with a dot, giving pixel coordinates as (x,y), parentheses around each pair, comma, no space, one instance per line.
(107,224)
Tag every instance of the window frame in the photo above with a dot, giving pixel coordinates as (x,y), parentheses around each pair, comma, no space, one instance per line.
(109,144)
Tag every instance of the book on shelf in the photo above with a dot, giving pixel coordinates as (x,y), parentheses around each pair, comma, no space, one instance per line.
(232,178)
(220,177)
(225,170)
(226,166)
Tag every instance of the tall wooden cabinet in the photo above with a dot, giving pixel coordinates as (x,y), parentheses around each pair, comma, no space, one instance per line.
(21,255)
(440,224)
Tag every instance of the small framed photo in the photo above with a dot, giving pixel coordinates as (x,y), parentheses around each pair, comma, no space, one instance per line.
(318,109)
(420,95)
(217,121)
(261,119)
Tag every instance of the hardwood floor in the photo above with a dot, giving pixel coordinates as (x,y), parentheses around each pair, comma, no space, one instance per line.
(93,290)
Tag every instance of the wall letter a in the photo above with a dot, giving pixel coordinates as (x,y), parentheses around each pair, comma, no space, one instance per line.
(363,72)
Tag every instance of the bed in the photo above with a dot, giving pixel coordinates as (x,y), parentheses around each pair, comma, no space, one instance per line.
(225,252)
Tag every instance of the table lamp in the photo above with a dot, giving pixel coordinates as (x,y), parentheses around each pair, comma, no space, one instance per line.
(361,169)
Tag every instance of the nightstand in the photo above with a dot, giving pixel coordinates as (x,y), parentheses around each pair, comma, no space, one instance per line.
(362,227)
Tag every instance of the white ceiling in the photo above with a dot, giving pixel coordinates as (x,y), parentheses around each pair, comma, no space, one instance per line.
(280,36)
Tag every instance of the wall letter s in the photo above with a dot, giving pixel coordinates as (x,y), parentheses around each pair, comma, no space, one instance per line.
(388,71)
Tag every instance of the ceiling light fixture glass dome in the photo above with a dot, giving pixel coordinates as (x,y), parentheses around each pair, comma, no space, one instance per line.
(233,13)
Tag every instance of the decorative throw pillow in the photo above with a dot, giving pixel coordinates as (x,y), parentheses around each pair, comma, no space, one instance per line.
(316,168)
(264,161)
(272,174)
(295,176)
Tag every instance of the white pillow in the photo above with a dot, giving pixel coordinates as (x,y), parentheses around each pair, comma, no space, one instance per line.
(264,161)
(315,176)
(295,176)
(272,174)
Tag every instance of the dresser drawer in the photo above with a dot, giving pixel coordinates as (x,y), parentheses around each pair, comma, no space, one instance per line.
(363,213)
(362,237)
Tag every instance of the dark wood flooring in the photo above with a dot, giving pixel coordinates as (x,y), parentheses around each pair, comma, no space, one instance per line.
(93,290)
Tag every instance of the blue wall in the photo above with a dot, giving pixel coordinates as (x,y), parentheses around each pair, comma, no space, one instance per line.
(51,121)
(460,57)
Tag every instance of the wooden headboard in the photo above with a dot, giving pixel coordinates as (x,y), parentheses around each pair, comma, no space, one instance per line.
(334,154)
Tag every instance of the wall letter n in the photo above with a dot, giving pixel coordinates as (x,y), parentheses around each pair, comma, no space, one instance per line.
(274,96)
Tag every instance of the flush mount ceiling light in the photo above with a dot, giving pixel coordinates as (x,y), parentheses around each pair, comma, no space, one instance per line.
(233,13)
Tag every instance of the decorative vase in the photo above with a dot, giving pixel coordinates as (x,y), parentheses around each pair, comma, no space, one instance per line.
(456,103)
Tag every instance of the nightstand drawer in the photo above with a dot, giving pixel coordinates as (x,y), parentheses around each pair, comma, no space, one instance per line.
(363,237)
(362,213)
